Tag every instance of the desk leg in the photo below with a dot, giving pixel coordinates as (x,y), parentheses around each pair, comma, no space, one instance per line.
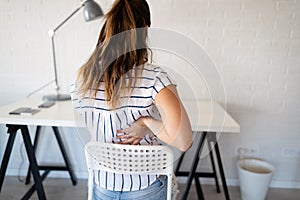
(36,138)
(194,166)
(212,138)
(198,188)
(212,160)
(33,163)
(32,189)
(6,156)
(179,163)
(64,154)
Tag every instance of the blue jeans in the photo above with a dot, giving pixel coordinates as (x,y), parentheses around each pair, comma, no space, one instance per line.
(156,191)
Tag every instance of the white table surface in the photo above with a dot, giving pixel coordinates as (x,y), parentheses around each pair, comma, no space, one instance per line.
(204,115)
(61,114)
(210,116)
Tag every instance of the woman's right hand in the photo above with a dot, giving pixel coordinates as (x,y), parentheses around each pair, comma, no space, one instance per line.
(135,133)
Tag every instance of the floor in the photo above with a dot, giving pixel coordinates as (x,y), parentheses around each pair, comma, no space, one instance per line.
(58,189)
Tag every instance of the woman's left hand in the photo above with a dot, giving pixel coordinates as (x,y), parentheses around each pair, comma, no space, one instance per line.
(135,133)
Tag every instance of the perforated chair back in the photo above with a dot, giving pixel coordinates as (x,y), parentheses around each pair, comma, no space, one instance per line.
(129,159)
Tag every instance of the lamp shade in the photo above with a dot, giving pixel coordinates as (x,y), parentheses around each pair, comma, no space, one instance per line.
(91,10)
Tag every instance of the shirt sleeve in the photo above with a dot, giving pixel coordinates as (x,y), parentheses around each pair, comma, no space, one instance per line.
(161,80)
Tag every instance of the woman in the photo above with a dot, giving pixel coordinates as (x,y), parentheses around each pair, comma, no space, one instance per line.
(126,100)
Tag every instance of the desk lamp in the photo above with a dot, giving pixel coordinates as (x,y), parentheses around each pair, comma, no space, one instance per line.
(91,11)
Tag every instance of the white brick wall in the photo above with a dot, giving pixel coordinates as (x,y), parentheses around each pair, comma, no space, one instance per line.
(255,44)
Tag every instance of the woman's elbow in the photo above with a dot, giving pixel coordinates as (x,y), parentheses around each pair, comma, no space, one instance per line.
(186,146)
(187,139)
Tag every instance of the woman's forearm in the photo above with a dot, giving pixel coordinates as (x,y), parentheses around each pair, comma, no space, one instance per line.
(177,138)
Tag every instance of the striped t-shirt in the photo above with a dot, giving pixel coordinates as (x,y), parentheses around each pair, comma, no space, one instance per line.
(103,123)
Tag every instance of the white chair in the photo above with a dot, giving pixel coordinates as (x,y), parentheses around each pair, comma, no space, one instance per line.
(129,159)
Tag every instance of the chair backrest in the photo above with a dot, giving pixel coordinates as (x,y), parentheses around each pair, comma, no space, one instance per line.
(129,159)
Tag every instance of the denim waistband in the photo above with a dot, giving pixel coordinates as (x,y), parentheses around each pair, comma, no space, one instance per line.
(156,190)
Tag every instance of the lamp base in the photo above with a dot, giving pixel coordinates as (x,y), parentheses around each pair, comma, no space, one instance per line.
(57,97)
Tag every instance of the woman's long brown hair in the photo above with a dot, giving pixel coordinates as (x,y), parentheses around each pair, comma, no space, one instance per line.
(121,47)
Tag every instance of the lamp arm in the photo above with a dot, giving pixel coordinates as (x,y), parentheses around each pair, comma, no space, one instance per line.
(65,20)
(52,34)
(54,64)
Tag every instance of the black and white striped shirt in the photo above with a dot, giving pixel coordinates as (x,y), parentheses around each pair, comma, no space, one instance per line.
(103,122)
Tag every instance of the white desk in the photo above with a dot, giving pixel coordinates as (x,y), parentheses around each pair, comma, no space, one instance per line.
(209,116)
(206,117)
(59,115)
